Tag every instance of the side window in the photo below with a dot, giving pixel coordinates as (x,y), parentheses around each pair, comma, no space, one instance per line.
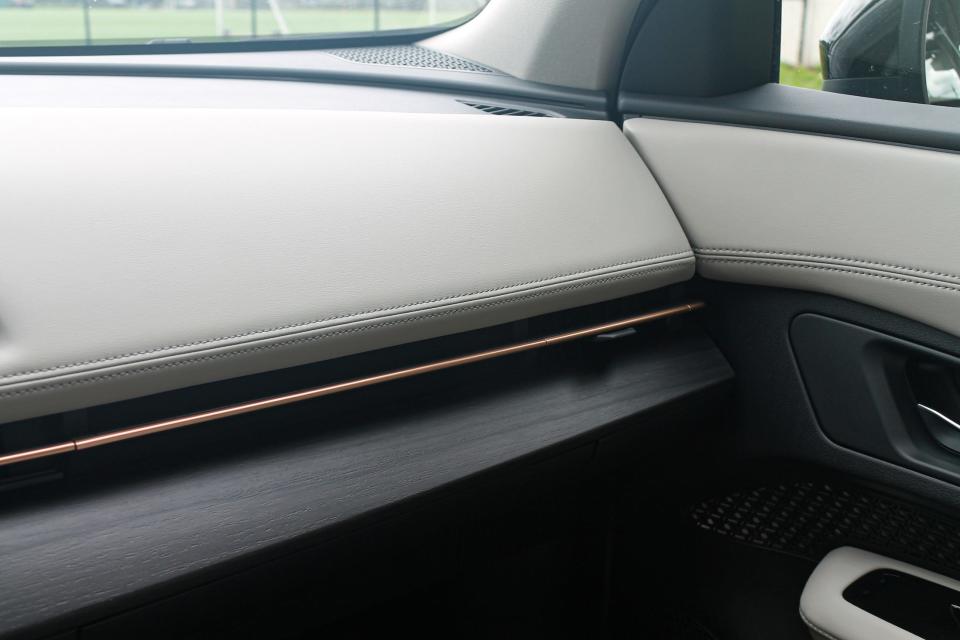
(71,23)
(800,25)
(942,56)
(903,50)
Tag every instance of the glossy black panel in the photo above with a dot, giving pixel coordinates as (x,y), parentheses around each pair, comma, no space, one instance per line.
(923,608)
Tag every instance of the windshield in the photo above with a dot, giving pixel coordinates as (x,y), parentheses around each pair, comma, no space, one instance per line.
(106,22)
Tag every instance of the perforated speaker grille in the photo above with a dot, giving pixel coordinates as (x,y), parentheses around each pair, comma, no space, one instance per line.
(811,518)
(408,56)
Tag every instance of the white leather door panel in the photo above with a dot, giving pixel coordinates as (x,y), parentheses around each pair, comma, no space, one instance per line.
(875,223)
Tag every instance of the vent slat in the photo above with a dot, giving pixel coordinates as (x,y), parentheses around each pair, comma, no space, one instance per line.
(506,111)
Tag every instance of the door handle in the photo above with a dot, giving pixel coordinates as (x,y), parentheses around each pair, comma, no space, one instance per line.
(942,428)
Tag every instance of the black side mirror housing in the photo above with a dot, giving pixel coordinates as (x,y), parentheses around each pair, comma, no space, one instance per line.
(903,50)
(874,48)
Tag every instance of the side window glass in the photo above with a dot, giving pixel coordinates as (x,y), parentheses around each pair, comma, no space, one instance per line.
(907,50)
(73,23)
(942,56)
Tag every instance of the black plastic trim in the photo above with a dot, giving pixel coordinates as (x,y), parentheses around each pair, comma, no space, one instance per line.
(858,382)
(614,91)
(777,41)
(776,106)
(776,422)
(701,47)
(592,103)
(75,552)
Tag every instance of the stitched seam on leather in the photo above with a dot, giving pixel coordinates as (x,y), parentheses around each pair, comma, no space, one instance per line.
(838,268)
(762,252)
(806,621)
(541,281)
(273,345)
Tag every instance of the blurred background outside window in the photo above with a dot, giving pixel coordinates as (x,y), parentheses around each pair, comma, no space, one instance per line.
(73,22)
(802,25)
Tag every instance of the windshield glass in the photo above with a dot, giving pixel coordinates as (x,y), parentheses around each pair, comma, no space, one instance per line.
(105,22)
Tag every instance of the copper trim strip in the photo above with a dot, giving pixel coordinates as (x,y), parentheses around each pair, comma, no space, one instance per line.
(35,454)
(330,389)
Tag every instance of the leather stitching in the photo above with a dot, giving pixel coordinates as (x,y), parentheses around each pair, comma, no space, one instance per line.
(763,252)
(837,268)
(306,324)
(807,622)
(274,345)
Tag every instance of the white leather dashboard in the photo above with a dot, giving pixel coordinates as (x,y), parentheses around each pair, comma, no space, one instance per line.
(874,223)
(151,249)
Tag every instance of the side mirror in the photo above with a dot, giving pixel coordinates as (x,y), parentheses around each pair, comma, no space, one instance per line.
(906,50)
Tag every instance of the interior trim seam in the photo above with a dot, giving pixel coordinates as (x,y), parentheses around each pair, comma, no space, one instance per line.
(358,316)
(83,377)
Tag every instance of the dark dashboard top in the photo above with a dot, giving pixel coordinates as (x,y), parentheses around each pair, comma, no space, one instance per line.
(298,79)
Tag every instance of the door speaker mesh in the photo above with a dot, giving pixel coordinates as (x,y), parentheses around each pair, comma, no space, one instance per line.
(808,519)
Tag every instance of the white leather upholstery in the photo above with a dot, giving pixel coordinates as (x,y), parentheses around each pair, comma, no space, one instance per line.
(828,615)
(145,250)
(871,222)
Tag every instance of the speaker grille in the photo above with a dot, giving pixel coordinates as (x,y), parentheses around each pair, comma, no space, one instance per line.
(809,519)
(408,56)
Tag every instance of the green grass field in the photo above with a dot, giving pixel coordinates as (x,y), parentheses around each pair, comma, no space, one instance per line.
(112,24)
(800,77)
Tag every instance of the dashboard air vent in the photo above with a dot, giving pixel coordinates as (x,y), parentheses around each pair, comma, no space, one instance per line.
(507,111)
(408,56)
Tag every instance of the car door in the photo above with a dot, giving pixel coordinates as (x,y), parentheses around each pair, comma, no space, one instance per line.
(823,221)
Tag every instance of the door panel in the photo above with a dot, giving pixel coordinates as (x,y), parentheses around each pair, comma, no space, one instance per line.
(874,223)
